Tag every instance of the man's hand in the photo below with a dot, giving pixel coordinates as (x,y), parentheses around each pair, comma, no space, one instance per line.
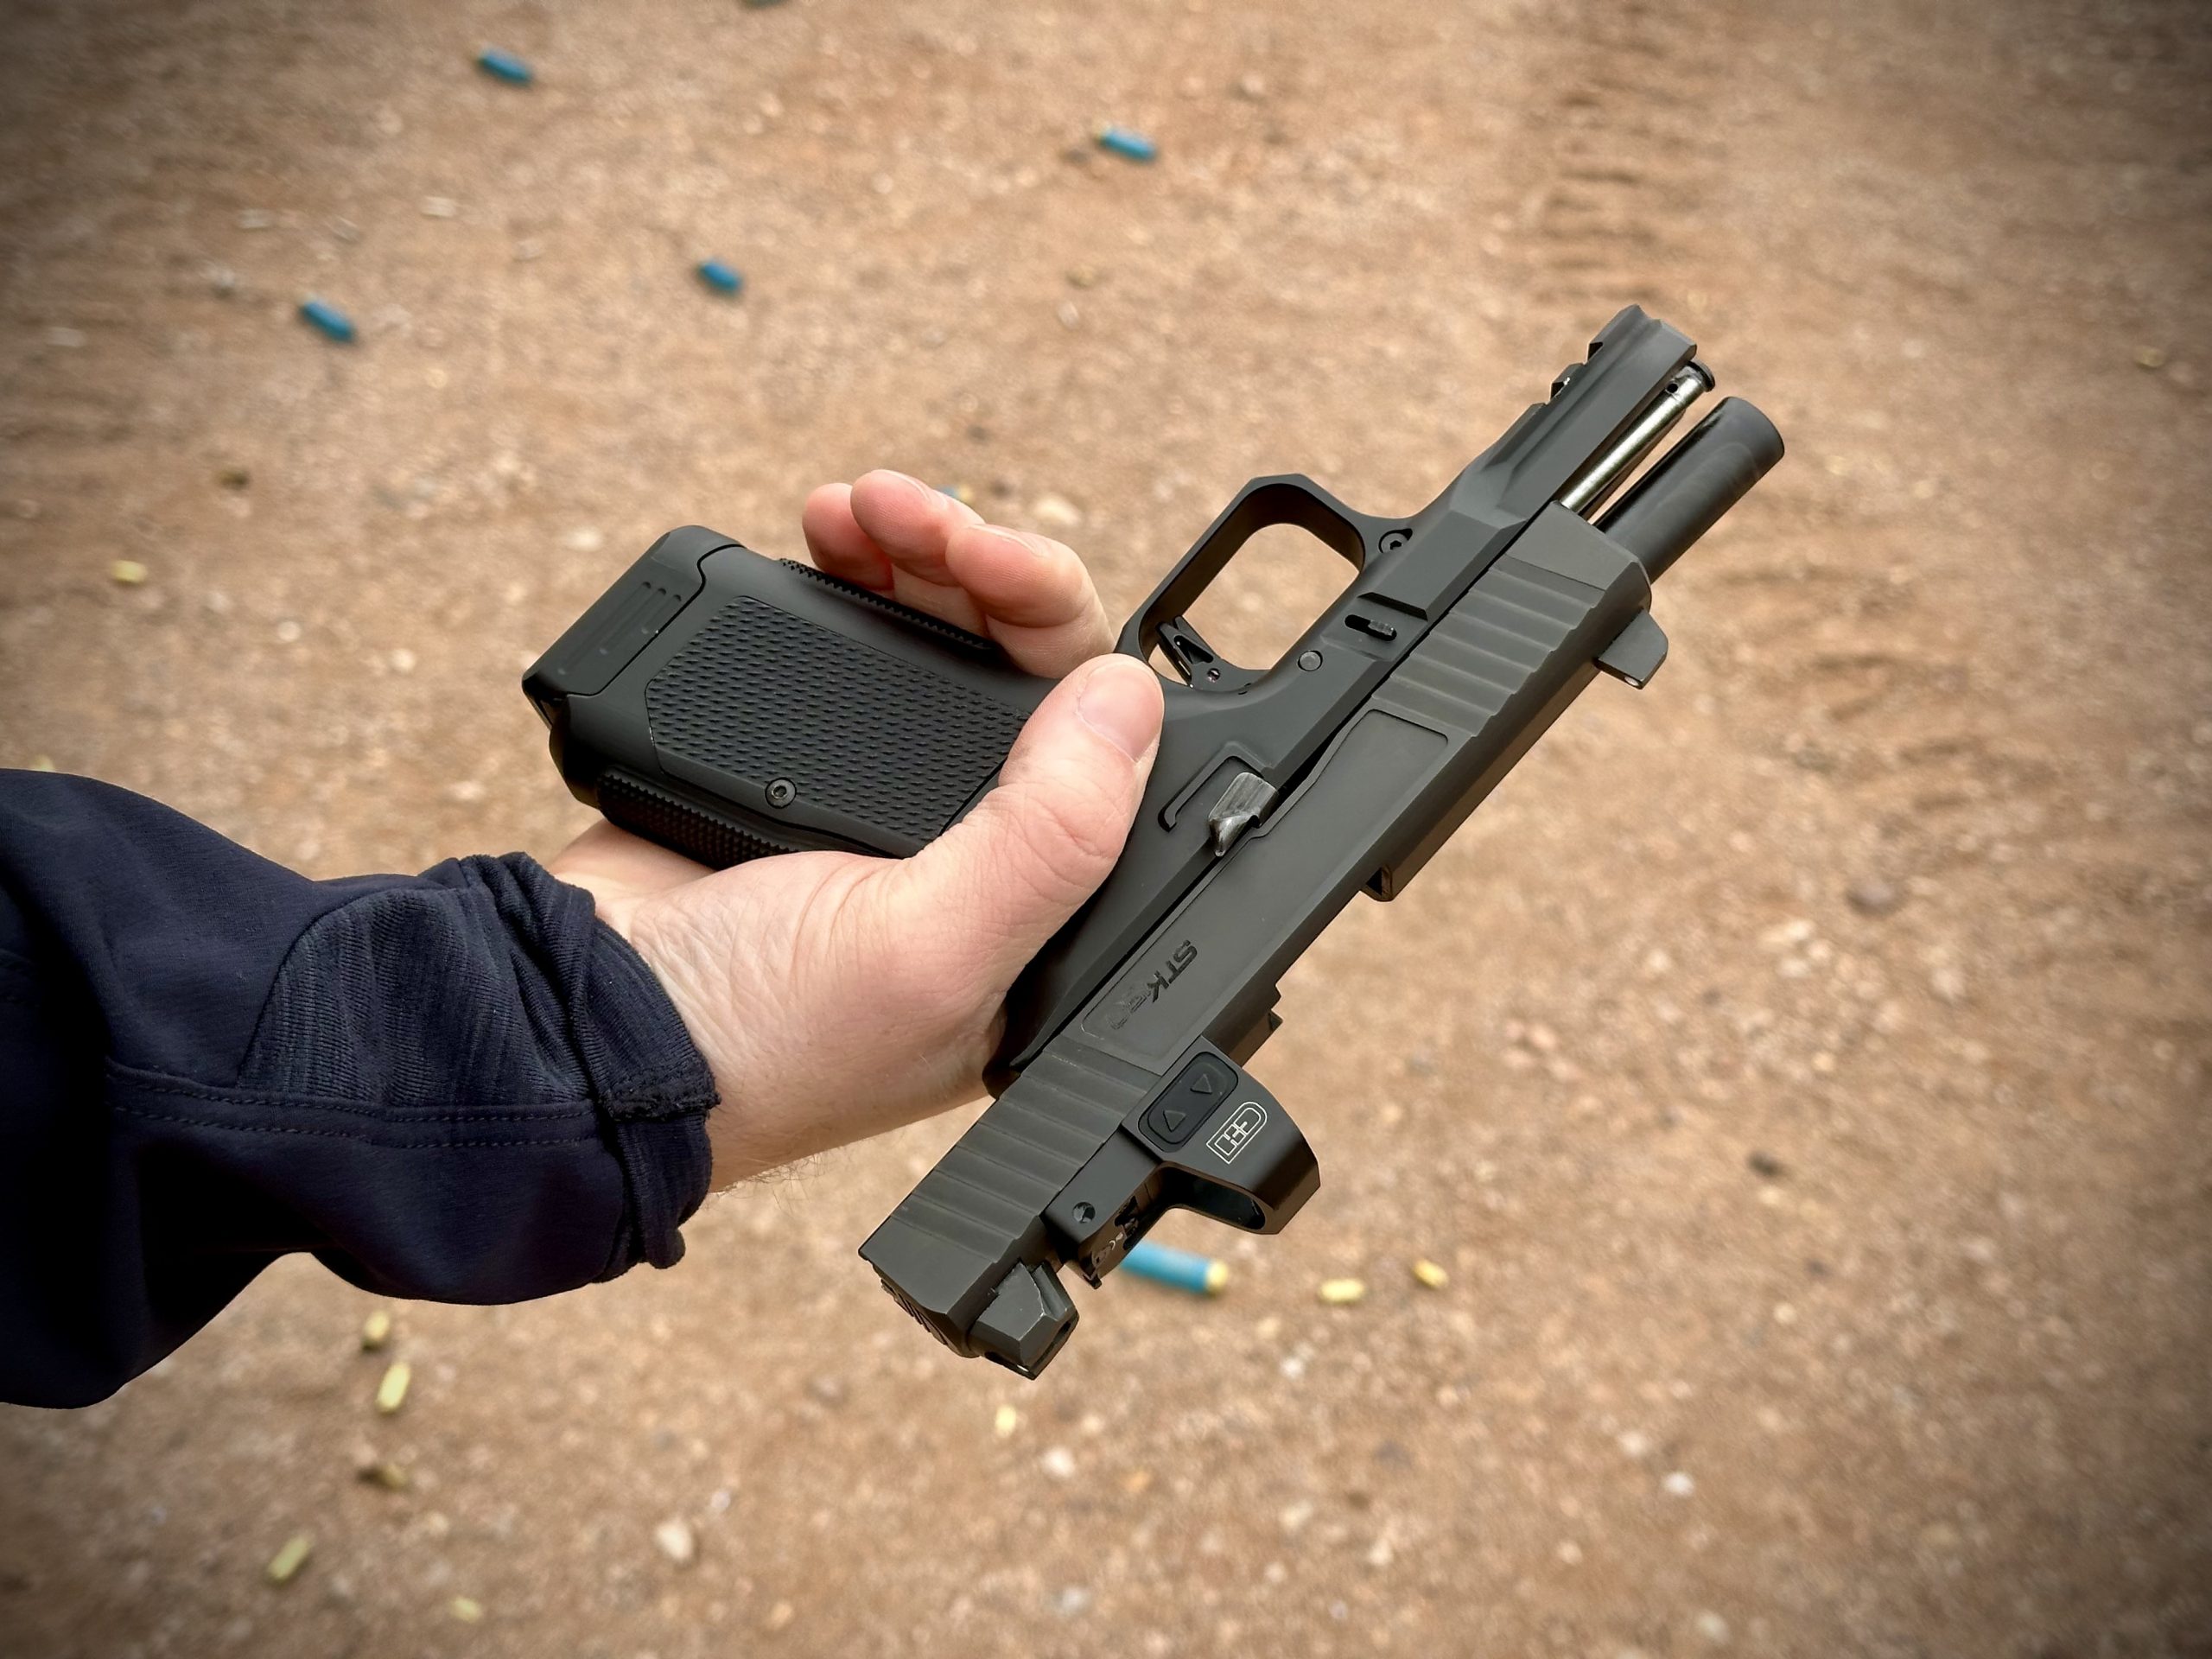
(834,996)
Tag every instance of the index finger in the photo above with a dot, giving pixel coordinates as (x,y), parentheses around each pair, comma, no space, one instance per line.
(1035,597)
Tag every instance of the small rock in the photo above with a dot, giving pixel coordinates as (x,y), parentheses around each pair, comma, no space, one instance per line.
(234,477)
(1570,1553)
(584,538)
(1342,1293)
(781,1615)
(441,207)
(1056,512)
(827,1390)
(1678,1484)
(1083,276)
(1251,86)
(288,633)
(1766,1165)
(2150,357)
(127,572)
(1713,1628)
(256,219)
(466,1609)
(1949,983)
(1636,1444)
(676,1541)
(1137,1481)
(1004,1422)
(1873,897)
(68,340)
(1071,1601)
(1380,1554)
(402,660)
(1428,1272)
(1058,1462)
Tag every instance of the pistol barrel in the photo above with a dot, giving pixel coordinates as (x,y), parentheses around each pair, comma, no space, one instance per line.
(1703,476)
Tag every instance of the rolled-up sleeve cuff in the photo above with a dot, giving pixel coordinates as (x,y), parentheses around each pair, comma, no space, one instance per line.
(653,1089)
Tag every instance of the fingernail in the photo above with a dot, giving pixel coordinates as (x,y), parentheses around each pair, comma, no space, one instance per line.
(1120,707)
(922,493)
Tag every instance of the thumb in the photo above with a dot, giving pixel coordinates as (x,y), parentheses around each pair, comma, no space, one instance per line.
(991,890)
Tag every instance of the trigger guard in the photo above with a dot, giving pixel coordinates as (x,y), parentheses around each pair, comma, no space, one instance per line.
(1283,498)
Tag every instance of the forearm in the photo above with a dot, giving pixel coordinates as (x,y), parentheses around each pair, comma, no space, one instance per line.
(458,1085)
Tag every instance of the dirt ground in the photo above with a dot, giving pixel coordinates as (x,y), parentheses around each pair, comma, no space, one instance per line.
(1800,1067)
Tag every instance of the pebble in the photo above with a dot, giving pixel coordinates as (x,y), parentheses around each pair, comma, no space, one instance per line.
(127,572)
(1428,1272)
(1678,1484)
(392,1392)
(69,339)
(584,538)
(441,207)
(1766,1165)
(1873,897)
(1636,1444)
(466,1609)
(1056,511)
(2150,357)
(722,278)
(288,631)
(1072,1600)
(1058,1462)
(1713,1628)
(1130,146)
(256,219)
(676,1541)
(287,1562)
(781,1615)
(1252,87)
(503,66)
(1342,1293)
(1004,1422)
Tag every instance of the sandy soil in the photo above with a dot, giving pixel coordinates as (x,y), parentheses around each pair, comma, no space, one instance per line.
(1895,884)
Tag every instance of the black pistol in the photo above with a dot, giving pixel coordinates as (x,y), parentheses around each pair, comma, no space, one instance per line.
(734,707)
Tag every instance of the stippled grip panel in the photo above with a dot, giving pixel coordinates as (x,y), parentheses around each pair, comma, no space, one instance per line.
(777,700)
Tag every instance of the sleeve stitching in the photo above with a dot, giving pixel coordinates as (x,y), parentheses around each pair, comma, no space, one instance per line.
(341,1135)
(154,1084)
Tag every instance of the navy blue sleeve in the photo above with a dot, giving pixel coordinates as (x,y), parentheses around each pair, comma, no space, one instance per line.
(459,1086)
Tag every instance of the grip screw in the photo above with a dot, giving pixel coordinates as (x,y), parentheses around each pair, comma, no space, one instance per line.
(1395,539)
(1309,660)
(780,793)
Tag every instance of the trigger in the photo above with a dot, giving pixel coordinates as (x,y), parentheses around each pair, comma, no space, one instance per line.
(1203,668)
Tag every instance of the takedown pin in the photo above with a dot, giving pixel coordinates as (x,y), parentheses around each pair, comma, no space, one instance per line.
(1248,796)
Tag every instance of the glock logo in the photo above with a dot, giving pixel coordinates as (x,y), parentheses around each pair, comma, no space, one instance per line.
(1235,1135)
(1143,995)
